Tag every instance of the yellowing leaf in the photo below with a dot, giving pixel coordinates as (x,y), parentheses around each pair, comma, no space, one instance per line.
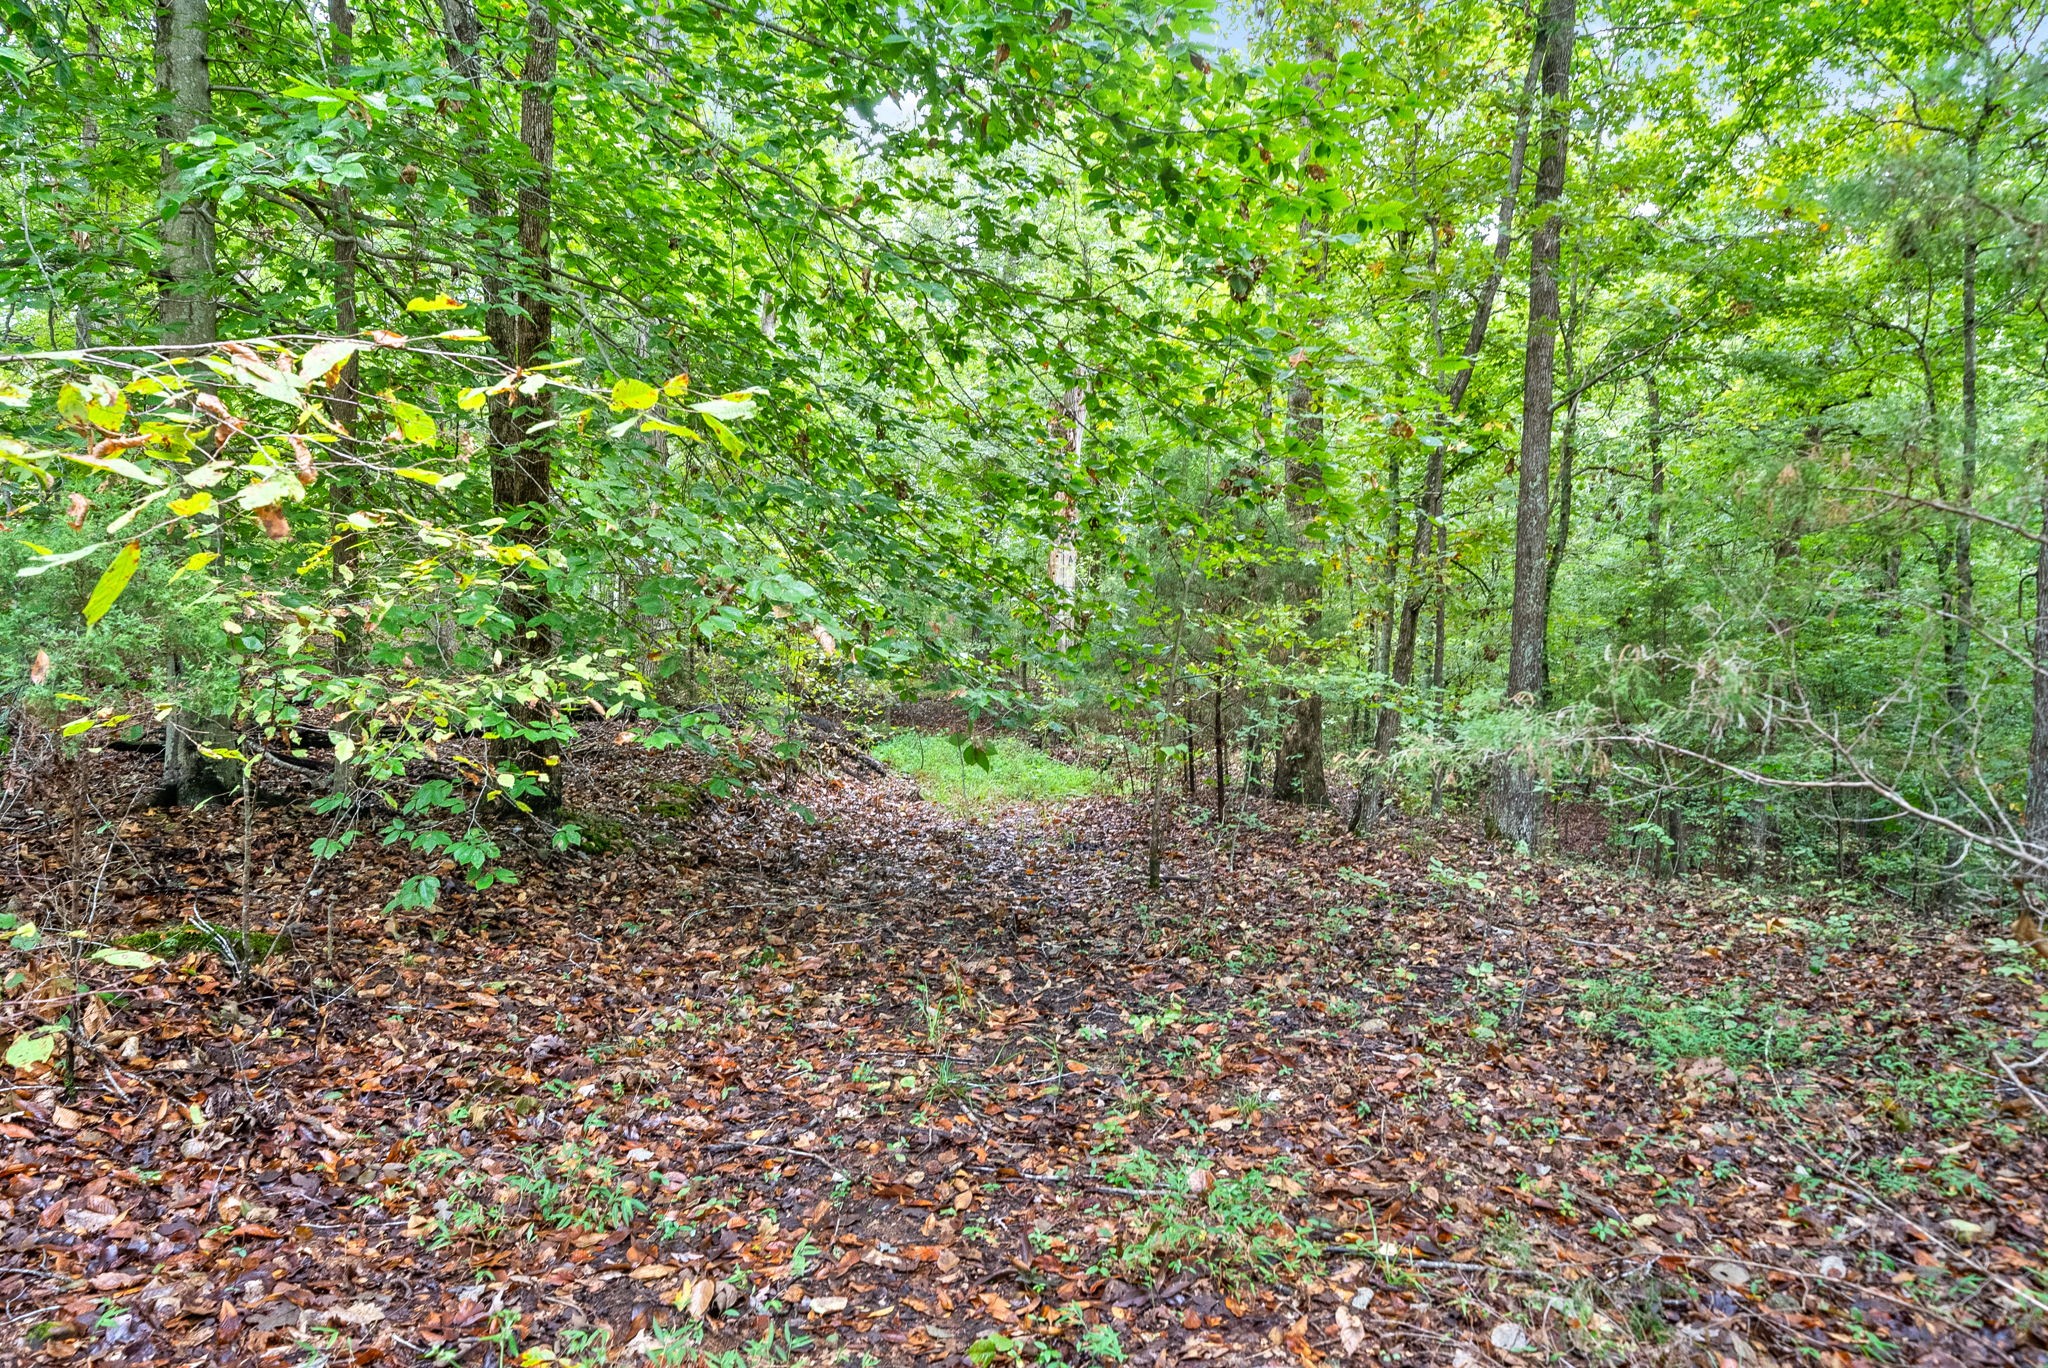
(438,304)
(413,423)
(724,434)
(114,465)
(194,563)
(633,394)
(33,1048)
(323,357)
(112,581)
(678,386)
(675,429)
(125,959)
(428,477)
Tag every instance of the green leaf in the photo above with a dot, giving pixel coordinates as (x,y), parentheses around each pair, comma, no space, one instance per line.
(731,407)
(112,581)
(31,1049)
(732,444)
(633,394)
(428,477)
(413,423)
(114,465)
(50,560)
(126,959)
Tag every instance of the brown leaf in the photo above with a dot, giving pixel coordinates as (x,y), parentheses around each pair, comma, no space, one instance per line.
(274,525)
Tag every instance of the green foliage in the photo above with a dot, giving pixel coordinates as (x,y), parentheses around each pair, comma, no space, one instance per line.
(1010,771)
(1186,1217)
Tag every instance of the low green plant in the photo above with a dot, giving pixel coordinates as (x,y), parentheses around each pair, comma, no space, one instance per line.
(1229,1227)
(987,774)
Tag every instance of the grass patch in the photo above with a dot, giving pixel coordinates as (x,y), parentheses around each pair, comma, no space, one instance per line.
(1016,773)
(1731,1021)
(1232,1228)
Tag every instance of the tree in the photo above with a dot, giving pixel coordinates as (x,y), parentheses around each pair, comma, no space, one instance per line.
(1518,805)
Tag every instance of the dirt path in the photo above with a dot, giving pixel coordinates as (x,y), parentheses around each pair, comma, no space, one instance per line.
(900,1088)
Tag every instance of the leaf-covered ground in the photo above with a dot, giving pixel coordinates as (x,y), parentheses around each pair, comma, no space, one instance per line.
(908,1087)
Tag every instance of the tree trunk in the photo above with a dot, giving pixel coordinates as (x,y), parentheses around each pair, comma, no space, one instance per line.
(343,400)
(1221,755)
(1964,605)
(1387,726)
(187,316)
(519,320)
(1654,535)
(2037,751)
(1298,763)
(1519,801)
(1565,451)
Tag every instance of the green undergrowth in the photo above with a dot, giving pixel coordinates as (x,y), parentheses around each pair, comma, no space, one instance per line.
(1184,1216)
(1729,1020)
(1015,773)
(235,946)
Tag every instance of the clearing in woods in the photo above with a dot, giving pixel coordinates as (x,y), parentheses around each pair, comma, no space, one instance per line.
(913,1084)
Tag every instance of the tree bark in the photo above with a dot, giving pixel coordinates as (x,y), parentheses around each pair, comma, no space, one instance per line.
(1298,763)
(1221,755)
(343,401)
(187,317)
(519,320)
(1298,775)
(187,312)
(2037,751)
(1964,604)
(1519,801)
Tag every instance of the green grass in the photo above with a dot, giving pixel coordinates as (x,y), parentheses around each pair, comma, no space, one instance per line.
(1729,1020)
(1016,772)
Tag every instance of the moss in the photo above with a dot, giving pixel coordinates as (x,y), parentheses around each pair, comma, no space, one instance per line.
(244,947)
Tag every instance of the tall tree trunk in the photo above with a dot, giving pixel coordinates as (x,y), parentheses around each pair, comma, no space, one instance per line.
(1298,775)
(187,317)
(1964,604)
(187,314)
(343,401)
(2037,751)
(1519,801)
(1654,535)
(1222,761)
(521,330)
(1566,450)
(1387,726)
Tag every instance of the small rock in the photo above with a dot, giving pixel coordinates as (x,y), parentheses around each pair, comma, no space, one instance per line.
(1361,1299)
(825,1306)
(1833,1266)
(1510,1338)
(1728,1274)
(1374,1027)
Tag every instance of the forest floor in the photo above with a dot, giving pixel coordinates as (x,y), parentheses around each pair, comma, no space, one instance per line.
(904,1087)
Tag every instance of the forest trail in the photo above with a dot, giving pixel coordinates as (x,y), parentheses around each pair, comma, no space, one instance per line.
(903,1085)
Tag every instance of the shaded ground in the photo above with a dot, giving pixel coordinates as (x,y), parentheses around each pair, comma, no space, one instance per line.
(902,1088)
